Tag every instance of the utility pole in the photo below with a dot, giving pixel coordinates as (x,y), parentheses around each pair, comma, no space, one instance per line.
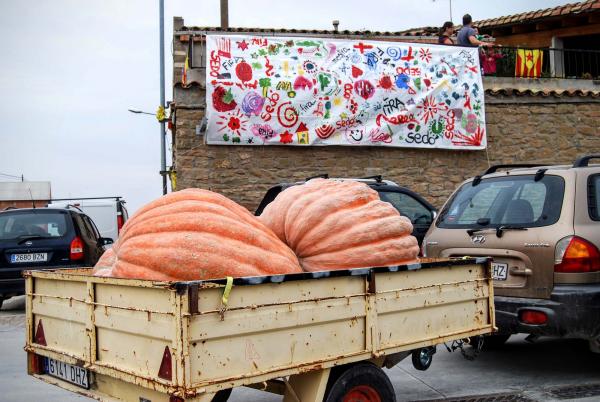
(163,156)
(224,14)
(450,5)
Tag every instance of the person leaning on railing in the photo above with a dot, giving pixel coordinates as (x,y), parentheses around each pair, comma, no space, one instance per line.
(467,36)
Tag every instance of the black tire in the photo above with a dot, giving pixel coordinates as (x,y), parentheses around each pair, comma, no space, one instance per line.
(422,358)
(222,396)
(1,301)
(361,380)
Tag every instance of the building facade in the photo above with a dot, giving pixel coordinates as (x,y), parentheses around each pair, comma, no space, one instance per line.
(528,120)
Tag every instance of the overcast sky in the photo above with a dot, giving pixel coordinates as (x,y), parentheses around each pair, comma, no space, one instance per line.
(70,69)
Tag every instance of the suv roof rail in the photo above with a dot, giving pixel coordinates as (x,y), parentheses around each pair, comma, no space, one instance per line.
(378,178)
(584,161)
(495,168)
(319,176)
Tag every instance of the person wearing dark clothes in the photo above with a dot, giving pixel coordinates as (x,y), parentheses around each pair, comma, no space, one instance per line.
(467,36)
(446,31)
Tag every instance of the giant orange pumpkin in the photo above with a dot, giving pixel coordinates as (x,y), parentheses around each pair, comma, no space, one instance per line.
(195,234)
(340,224)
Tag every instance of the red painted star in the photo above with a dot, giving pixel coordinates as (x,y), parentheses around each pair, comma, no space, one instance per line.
(529,57)
(286,137)
(242,45)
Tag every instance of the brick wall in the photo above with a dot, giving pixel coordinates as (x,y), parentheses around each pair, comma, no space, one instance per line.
(520,129)
(22,204)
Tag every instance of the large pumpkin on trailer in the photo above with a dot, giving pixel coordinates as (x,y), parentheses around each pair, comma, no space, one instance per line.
(333,224)
(196,234)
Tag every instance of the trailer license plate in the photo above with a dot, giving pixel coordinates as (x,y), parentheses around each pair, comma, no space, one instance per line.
(31,257)
(73,374)
(499,271)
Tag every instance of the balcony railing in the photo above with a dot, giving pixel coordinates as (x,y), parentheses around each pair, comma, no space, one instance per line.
(503,61)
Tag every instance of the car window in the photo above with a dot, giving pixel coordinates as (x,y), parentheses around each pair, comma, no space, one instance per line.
(477,206)
(21,225)
(94,227)
(515,200)
(594,197)
(88,228)
(408,206)
(535,194)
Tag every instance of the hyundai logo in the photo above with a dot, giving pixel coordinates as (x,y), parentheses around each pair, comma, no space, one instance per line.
(28,243)
(478,239)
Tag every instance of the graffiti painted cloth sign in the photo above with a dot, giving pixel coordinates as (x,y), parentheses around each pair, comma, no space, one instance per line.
(290,91)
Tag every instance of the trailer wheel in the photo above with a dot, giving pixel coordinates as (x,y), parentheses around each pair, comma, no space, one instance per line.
(222,396)
(362,382)
(422,358)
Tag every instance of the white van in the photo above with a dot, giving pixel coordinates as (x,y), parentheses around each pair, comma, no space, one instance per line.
(108,213)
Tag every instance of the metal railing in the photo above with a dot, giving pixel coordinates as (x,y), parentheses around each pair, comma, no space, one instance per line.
(501,61)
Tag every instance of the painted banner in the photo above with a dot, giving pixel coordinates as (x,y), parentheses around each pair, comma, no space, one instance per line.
(292,91)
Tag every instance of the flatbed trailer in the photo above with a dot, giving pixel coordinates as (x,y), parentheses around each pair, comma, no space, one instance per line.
(300,335)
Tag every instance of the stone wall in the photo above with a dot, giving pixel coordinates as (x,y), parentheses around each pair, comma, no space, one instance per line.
(519,128)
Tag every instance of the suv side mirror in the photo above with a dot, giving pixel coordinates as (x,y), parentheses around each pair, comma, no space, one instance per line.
(105,241)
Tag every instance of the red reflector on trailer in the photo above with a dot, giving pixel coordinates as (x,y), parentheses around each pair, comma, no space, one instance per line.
(165,372)
(533,317)
(39,337)
(36,363)
(176,399)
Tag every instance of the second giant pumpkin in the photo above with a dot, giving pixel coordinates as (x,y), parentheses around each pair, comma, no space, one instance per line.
(333,224)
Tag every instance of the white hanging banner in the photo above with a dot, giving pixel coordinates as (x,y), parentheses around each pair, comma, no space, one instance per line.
(315,91)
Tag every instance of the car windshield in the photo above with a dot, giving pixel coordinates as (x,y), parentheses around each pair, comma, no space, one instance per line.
(19,225)
(505,201)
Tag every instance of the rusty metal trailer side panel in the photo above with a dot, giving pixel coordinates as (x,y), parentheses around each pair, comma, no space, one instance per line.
(273,330)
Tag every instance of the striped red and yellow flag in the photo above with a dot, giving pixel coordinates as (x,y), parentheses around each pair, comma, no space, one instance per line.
(529,63)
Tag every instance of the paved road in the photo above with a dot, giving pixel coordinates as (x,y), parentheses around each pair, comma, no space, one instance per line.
(529,371)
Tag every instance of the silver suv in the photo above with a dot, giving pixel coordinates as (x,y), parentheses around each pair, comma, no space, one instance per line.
(541,224)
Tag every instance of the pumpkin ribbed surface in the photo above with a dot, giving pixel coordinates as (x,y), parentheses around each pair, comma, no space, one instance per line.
(195,234)
(340,224)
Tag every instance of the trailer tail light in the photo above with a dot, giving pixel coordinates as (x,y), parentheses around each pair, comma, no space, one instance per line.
(576,255)
(533,317)
(119,222)
(76,249)
(40,337)
(176,399)
(166,372)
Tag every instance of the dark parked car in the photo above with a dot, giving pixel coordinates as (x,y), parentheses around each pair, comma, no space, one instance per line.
(43,238)
(410,204)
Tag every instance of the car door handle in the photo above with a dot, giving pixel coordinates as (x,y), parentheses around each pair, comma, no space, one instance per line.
(520,272)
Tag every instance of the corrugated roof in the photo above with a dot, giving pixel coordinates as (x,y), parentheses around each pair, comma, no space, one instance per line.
(428,31)
(292,31)
(546,93)
(537,15)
